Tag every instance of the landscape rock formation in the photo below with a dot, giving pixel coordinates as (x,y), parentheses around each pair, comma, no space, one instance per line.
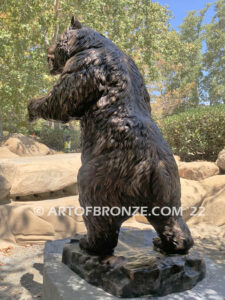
(33,189)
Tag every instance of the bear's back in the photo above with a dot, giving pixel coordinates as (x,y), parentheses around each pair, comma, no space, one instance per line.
(113,68)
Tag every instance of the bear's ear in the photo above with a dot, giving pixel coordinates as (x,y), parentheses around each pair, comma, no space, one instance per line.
(75,24)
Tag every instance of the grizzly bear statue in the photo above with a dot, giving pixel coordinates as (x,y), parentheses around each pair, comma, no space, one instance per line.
(125,160)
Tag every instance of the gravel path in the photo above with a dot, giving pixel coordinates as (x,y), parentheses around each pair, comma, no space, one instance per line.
(21,272)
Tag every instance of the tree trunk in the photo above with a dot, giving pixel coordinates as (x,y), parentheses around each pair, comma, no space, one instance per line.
(1,131)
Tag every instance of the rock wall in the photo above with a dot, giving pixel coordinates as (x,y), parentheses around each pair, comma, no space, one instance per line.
(34,189)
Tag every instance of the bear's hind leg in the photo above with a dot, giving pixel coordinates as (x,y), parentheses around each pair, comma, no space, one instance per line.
(173,234)
(102,235)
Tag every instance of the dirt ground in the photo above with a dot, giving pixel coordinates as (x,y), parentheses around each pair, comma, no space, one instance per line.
(21,272)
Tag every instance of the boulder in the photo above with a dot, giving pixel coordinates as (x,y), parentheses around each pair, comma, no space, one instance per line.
(25,146)
(6,153)
(192,195)
(4,188)
(64,192)
(221,160)
(177,159)
(37,175)
(39,221)
(198,170)
(213,185)
(212,210)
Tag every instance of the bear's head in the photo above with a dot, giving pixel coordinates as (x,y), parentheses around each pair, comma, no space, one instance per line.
(75,39)
(59,53)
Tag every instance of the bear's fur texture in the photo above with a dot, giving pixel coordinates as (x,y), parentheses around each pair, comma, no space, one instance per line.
(125,160)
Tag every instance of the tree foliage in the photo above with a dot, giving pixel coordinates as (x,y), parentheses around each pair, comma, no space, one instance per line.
(214,57)
(140,28)
(176,72)
(183,73)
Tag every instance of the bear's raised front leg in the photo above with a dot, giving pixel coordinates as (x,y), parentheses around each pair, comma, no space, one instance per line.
(64,102)
(54,106)
(173,234)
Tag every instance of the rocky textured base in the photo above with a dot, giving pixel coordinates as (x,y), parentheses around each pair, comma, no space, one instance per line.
(133,273)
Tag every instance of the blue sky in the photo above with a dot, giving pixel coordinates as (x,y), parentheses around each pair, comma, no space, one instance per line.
(180,8)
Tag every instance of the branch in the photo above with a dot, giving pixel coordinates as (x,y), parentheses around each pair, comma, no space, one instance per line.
(46,40)
(56,9)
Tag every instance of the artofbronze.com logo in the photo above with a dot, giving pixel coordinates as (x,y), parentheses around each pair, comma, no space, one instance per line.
(117,211)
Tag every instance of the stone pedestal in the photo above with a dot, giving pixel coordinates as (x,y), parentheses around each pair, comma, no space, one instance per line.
(136,269)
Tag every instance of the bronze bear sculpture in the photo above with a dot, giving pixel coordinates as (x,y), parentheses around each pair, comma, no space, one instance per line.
(125,160)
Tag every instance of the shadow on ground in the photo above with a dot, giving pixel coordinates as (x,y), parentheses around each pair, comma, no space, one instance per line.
(21,273)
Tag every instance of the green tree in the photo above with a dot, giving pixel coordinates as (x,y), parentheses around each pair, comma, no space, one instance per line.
(181,70)
(214,57)
(192,32)
(169,93)
(22,57)
(139,28)
(28,27)
(186,82)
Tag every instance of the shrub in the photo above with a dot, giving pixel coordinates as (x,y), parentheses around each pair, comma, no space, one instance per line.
(55,138)
(196,134)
